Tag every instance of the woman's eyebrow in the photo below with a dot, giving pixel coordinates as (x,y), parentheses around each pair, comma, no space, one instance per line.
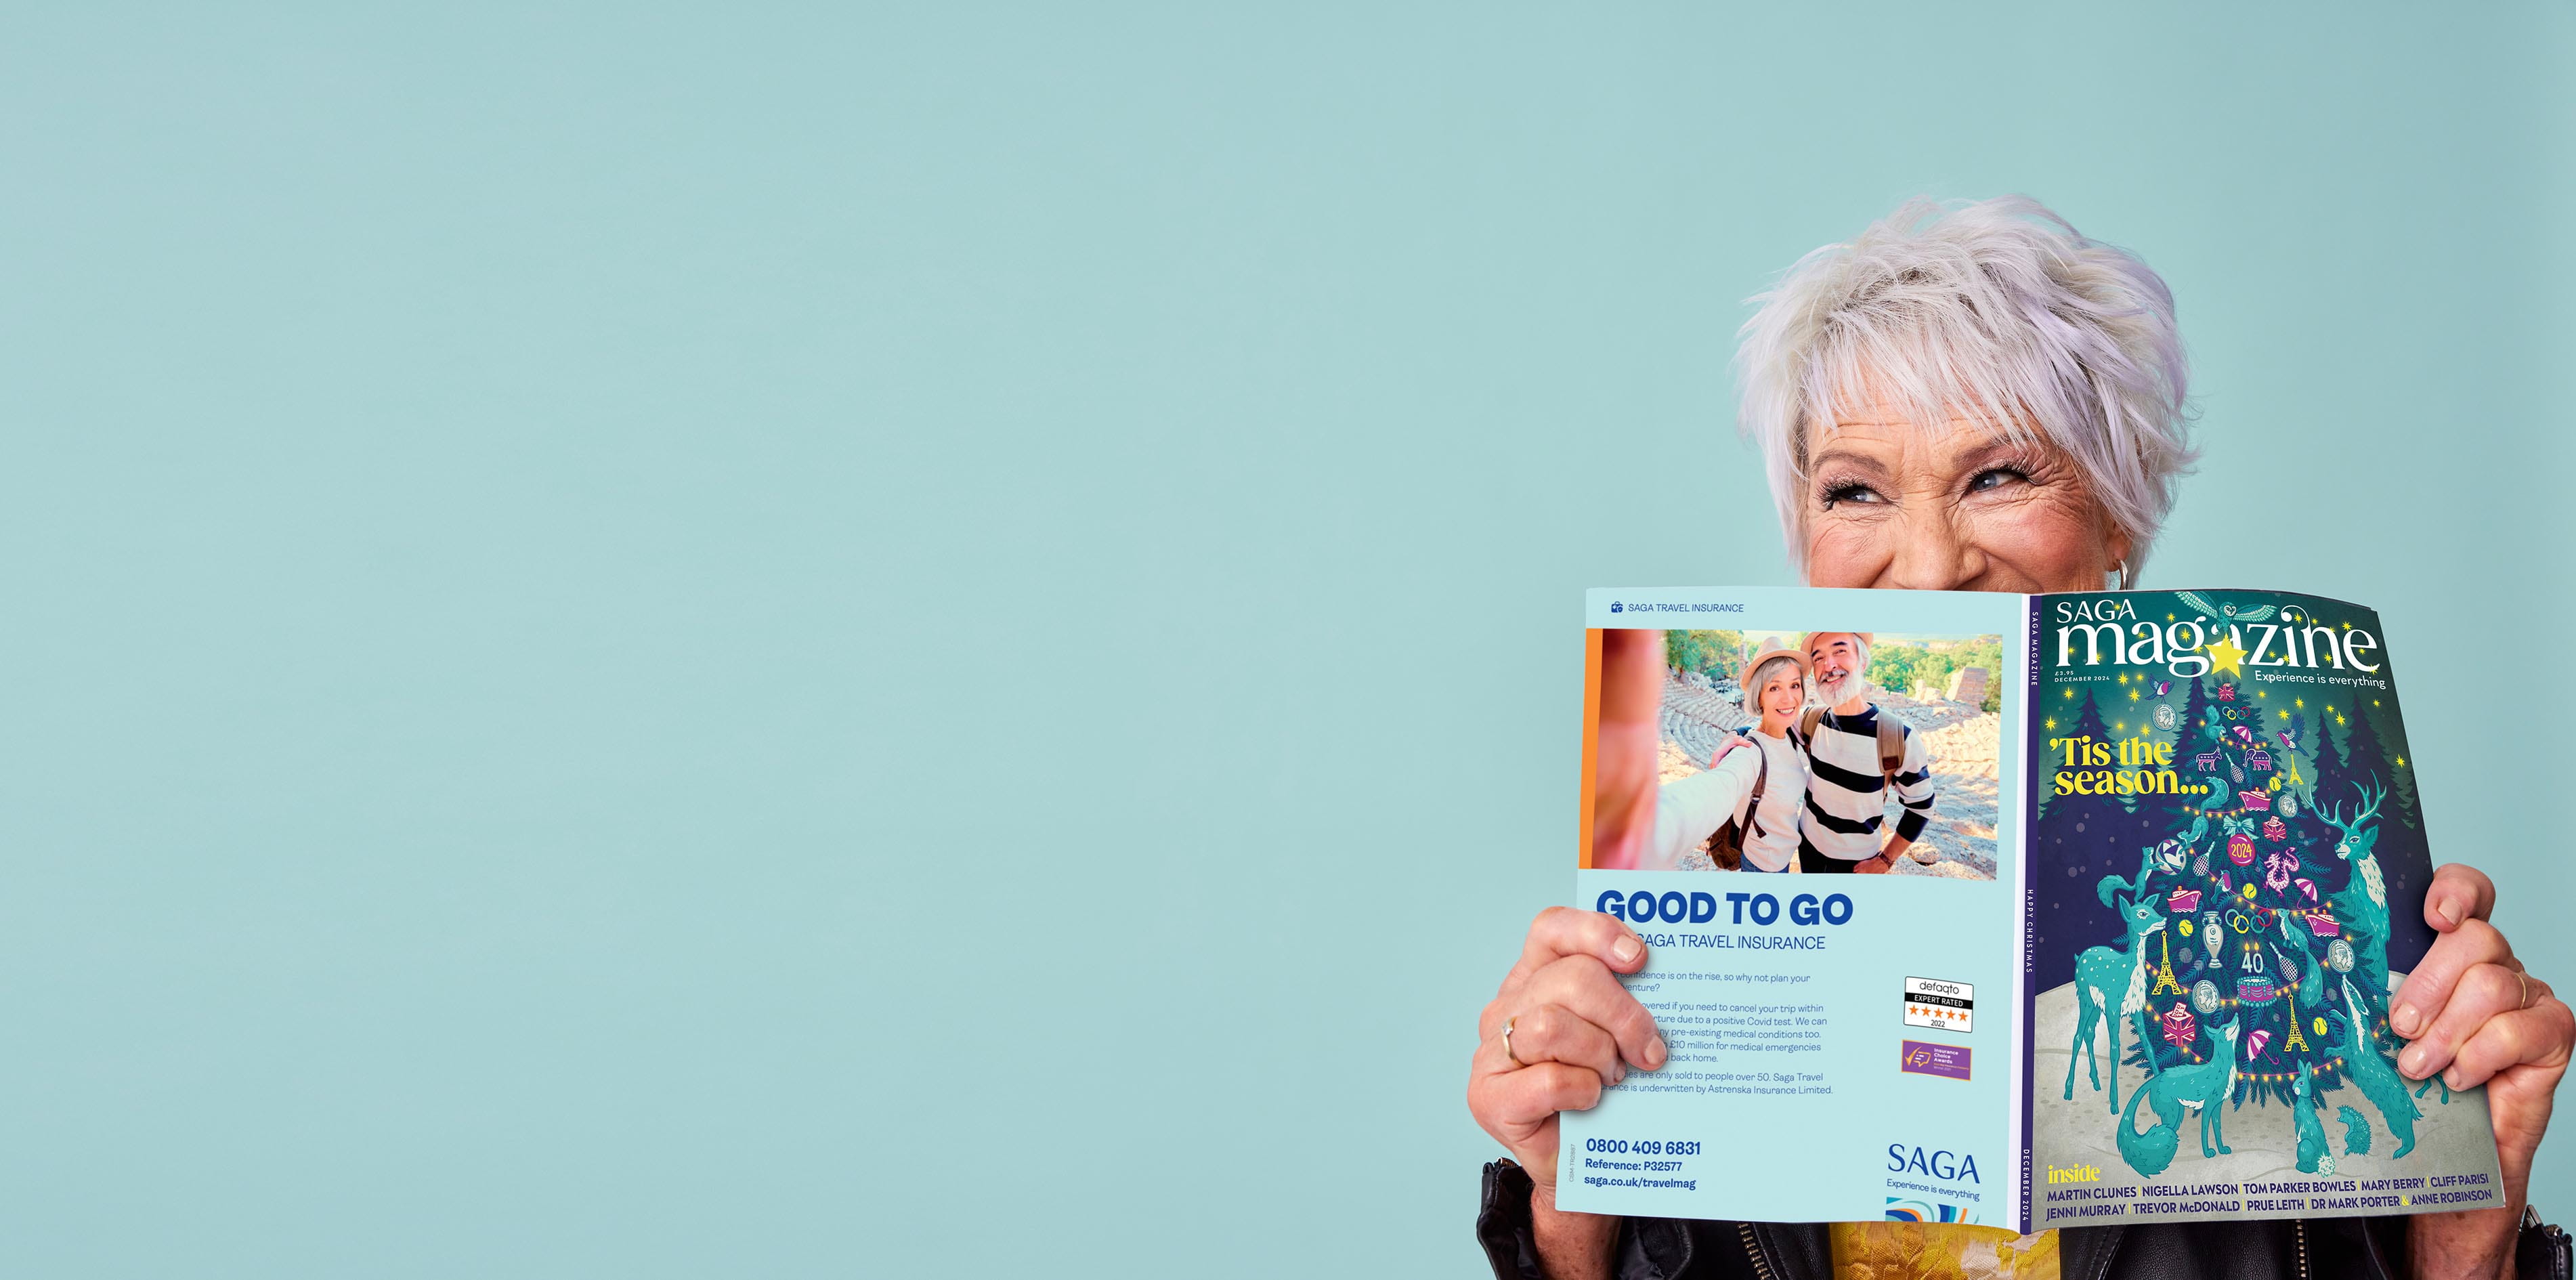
(1846,457)
(1989,450)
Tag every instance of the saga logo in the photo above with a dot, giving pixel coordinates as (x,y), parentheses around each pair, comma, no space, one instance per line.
(1944,1165)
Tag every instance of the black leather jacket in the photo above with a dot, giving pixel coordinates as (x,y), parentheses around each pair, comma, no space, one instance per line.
(2305,1249)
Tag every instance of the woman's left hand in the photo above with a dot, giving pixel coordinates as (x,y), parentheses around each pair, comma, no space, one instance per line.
(2474,1017)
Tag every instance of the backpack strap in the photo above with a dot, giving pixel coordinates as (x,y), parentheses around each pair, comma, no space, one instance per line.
(1761,779)
(1891,744)
(1807,722)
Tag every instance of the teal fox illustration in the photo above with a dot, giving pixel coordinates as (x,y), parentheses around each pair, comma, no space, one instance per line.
(2204,1087)
(2378,1080)
(2110,988)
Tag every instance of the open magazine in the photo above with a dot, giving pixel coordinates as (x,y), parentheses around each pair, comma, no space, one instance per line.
(2148,866)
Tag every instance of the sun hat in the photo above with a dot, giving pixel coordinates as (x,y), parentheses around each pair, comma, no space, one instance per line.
(1744,677)
(1807,642)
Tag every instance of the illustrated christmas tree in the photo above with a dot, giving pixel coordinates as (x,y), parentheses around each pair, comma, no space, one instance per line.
(2390,736)
(2245,874)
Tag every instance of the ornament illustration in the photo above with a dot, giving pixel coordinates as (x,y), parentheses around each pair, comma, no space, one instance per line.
(2204,997)
(2180,1028)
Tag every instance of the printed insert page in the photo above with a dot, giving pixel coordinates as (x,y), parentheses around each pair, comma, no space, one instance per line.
(1832,965)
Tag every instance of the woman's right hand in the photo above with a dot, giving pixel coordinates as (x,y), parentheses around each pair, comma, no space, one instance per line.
(1733,741)
(1575,1031)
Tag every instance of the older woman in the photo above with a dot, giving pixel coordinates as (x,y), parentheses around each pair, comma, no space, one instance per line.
(1977,398)
(1689,810)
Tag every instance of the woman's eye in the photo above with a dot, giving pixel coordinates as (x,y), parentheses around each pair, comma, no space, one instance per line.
(1849,493)
(1996,478)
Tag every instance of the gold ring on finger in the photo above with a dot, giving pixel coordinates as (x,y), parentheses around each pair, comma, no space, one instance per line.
(1507,1041)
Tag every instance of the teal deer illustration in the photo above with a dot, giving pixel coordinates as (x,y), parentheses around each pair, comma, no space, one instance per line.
(2378,1080)
(2204,1087)
(2315,1155)
(2361,906)
(2111,987)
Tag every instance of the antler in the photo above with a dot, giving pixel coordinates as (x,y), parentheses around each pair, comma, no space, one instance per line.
(2370,798)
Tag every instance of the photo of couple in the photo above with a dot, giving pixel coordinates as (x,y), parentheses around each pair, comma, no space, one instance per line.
(1794,752)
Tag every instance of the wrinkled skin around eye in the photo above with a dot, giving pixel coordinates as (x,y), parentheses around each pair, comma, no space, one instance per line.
(1955,506)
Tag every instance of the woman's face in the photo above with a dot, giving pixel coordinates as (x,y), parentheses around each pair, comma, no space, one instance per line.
(1782,695)
(1954,506)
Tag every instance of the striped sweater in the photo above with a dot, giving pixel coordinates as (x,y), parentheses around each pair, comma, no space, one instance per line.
(1846,793)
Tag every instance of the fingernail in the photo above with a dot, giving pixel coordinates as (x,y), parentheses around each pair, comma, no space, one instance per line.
(2450,913)
(1654,1053)
(2405,1020)
(2451,1078)
(2410,1060)
(1627,949)
(1618,1072)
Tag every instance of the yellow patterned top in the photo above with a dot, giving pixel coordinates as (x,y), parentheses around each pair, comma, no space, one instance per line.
(1927,1251)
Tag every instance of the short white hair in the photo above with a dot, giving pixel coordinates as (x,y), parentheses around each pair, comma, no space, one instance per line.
(1762,676)
(1996,310)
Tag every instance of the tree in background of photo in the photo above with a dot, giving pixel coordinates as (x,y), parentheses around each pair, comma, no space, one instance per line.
(1716,654)
(1903,668)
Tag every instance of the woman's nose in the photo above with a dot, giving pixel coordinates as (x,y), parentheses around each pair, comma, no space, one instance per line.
(1932,552)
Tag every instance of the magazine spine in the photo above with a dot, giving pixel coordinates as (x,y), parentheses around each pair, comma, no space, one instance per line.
(2025,879)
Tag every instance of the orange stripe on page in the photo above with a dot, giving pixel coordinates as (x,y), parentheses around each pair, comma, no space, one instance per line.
(1591,739)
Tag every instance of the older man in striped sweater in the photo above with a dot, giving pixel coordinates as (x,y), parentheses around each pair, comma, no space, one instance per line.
(1858,752)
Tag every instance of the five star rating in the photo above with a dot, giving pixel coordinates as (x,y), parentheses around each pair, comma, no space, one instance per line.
(1939,1005)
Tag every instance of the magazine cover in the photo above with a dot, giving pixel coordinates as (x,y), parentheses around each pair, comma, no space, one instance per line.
(2226,885)
(1841,1035)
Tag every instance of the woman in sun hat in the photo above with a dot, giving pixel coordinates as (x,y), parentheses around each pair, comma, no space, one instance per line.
(1688,810)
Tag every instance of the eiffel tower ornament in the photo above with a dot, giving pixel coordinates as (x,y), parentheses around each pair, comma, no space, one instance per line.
(2164,970)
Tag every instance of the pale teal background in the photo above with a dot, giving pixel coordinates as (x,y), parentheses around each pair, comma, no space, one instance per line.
(797,642)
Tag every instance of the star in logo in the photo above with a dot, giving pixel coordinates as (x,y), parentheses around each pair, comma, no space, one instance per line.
(2225,655)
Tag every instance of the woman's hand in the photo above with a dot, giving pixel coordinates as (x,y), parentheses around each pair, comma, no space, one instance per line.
(1575,1031)
(2474,1017)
